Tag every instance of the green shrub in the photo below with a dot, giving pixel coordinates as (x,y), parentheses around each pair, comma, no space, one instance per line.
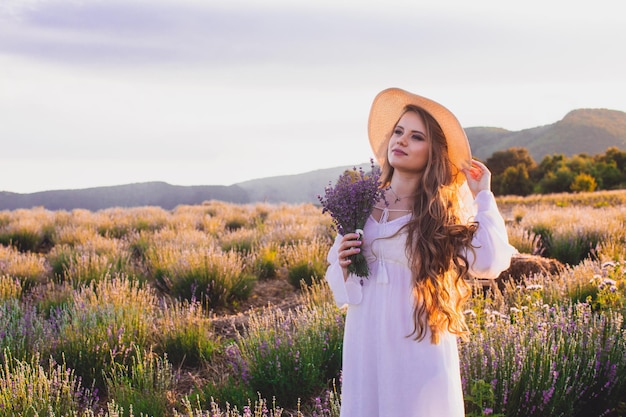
(60,258)
(583,182)
(242,241)
(139,246)
(306,261)
(185,334)
(266,263)
(290,356)
(82,265)
(306,272)
(51,298)
(215,277)
(570,245)
(549,361)
(28,390)
(144,384)
(479,400)
(231,391)
(97,331)
(29,268)
(235,224)
(23,332)
(24,240)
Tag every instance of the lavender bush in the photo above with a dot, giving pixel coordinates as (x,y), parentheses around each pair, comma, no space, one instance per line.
(28,389)
(144,384)
(350,202)
(548,360)
(22,331)
(290,356)
(99,329)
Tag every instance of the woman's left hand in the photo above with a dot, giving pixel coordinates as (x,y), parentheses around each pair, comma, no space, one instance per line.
(478,177)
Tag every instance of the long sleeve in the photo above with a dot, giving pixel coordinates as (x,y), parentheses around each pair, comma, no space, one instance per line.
(344,292)
(492,251)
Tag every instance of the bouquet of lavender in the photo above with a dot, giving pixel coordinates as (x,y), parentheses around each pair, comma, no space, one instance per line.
(350,202)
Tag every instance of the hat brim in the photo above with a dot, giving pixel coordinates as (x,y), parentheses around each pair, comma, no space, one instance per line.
(387,108)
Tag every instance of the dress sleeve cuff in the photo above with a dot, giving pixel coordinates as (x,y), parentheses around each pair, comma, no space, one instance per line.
(492,251)
(485,201)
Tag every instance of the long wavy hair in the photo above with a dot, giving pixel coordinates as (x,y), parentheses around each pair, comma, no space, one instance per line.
(436,242)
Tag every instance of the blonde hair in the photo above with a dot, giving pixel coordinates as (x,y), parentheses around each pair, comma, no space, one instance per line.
(436,242)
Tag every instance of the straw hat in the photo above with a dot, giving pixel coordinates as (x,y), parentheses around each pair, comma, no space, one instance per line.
(386,110)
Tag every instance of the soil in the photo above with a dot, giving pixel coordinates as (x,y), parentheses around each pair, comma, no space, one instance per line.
(274,293)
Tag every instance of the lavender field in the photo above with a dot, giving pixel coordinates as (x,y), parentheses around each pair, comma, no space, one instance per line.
(152,312)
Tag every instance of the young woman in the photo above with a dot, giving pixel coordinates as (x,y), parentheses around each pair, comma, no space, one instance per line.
(437,225)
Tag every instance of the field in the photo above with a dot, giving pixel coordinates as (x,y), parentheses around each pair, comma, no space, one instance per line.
(221,310)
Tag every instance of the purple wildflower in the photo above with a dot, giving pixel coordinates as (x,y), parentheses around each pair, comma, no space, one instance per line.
(350,203)
(547,395)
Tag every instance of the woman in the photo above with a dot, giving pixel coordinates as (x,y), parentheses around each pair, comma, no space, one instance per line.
(437,224)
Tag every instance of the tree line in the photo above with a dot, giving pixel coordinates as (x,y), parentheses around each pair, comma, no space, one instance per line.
(515,172)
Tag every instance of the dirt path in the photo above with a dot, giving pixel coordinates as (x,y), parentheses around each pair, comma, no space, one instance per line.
(273,293)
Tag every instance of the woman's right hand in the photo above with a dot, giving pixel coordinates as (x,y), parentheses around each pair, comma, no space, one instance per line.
(350,245)
(478,177)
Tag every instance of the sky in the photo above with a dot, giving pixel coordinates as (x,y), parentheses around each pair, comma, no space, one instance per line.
(204,92)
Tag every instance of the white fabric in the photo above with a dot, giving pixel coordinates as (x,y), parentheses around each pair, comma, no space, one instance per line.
(386,373)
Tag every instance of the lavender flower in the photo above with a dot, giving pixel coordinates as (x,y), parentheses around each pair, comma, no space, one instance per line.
(350,202)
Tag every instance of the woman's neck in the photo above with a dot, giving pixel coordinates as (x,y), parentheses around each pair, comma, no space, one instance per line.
(402,189)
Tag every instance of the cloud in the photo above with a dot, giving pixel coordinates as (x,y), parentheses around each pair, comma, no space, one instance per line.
(121,33)
(141,32)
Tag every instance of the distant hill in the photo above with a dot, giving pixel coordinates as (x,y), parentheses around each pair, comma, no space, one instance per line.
(302,188)
(131,195)
(294,188)
(589,131)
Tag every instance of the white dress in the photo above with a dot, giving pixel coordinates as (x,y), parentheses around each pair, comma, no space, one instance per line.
(386,373)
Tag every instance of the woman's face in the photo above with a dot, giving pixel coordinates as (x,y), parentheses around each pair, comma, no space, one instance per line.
(408,146)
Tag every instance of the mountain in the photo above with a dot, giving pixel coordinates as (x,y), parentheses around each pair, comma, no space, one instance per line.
(130,195)
(302,188)
(589,131)
(294,188)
